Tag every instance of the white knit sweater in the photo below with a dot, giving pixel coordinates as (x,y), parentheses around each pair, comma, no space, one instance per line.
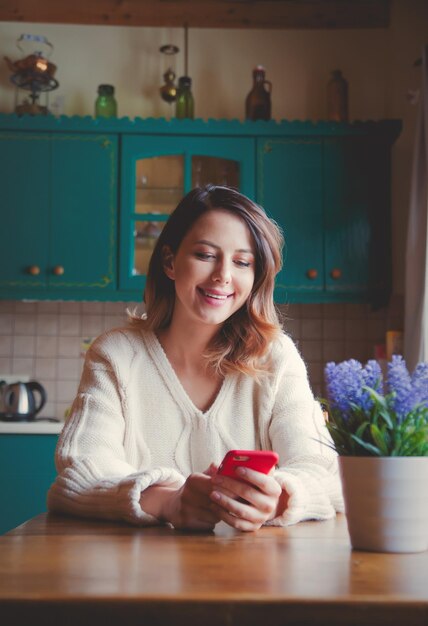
(132,425)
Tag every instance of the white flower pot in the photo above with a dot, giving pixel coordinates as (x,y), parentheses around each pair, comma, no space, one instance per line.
(386,502)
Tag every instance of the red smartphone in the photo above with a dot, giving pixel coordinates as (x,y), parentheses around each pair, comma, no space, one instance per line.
(260,460)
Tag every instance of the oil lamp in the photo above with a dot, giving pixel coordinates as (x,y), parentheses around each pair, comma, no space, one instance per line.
(168,91)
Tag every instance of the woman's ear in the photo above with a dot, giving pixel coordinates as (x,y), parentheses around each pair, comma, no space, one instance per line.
(168,262)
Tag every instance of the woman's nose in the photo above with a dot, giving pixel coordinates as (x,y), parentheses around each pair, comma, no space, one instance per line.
(222,273)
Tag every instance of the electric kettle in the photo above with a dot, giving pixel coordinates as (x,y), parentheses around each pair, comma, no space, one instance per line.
(18,400)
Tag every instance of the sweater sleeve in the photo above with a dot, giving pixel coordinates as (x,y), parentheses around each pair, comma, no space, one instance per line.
(308,468)
(94,477)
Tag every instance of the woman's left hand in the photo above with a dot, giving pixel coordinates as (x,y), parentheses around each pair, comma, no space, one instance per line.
(246,505)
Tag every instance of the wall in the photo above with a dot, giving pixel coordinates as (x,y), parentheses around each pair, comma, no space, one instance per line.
(378,64)
(44,339)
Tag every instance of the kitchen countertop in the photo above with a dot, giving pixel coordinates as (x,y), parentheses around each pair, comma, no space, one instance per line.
(37,427)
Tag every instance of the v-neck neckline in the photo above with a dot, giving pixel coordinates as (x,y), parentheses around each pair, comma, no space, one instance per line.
(174,382)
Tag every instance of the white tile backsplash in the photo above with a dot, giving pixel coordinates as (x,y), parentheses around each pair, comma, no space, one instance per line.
(49,307)
(69,325)
(47,324)
(24,346)
(24,324)
(68,347)
(23,365)
(69,369)
(6,345)
(43,339)
(65,390)
(45,368)
(93,307)
(6,323)
(5,364)
(46,345)
(25,307)
(311,329)
(333,329)
(92,324)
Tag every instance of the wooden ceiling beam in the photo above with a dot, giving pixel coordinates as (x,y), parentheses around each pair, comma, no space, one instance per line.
(305,14)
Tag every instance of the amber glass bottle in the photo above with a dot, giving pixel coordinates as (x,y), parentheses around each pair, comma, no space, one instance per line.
(337,97)
(258,103)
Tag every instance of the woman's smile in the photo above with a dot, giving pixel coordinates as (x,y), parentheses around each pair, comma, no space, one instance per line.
(213,297)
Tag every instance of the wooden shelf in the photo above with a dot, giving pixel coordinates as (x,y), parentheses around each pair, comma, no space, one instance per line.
(279,14)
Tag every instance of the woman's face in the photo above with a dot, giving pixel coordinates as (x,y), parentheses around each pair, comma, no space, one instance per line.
(213,269)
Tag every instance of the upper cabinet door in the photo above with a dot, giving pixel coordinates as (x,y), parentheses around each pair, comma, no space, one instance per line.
(25,206)
(157,171)
(59,214)
(357,227)
(84,212)
(289,187)
(347,200)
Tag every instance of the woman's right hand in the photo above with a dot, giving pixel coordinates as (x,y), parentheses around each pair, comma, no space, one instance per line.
(190,506)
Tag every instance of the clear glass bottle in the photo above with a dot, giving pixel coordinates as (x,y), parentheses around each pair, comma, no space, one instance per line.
(184,104)
(258,102)
(105,104)
(337,97)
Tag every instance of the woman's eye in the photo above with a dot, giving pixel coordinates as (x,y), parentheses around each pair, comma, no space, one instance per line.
(205,256)
(242,263)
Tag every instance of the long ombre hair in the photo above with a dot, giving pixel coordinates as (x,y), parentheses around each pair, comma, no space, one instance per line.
(242,343)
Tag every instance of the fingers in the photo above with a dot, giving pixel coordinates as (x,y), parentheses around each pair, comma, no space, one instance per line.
(212,470)
(266,483)
(256,489)
(194,510)
(247,504)
(238,515)
(199,484)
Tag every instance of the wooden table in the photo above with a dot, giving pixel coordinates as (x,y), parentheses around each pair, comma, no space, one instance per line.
(65,571)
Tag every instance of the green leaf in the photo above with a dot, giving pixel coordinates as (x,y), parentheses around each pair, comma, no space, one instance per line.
(367,446)
(379,440)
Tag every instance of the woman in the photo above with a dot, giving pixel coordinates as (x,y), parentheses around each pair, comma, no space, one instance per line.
(207,369)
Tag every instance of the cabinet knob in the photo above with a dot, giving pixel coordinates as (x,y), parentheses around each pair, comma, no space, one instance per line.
(34,270)
(336,273)
(58,270)
(312,274)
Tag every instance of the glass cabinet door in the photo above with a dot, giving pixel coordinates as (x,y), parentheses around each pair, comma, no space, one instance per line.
(157,173)
(159,185)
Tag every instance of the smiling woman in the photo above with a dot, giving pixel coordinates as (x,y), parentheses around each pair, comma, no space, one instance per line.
(207,369)
(231,231)
(213,269)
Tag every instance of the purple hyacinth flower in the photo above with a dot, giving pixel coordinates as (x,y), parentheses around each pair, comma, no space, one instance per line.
(420,383)
(400,382)
(372,375)
(344,386)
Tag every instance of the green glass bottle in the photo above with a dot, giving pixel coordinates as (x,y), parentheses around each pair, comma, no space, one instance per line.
(184,104)
(105,104)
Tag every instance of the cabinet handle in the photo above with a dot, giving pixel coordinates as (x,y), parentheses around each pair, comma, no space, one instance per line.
(34,270)
(58,270)
(312,274)
(336,273)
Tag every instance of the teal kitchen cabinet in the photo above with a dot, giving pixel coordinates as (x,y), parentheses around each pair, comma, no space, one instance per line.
(59,214)
(84,200)
(289,187)
(156,172)
(330,194)
(27,470)
(25,162)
